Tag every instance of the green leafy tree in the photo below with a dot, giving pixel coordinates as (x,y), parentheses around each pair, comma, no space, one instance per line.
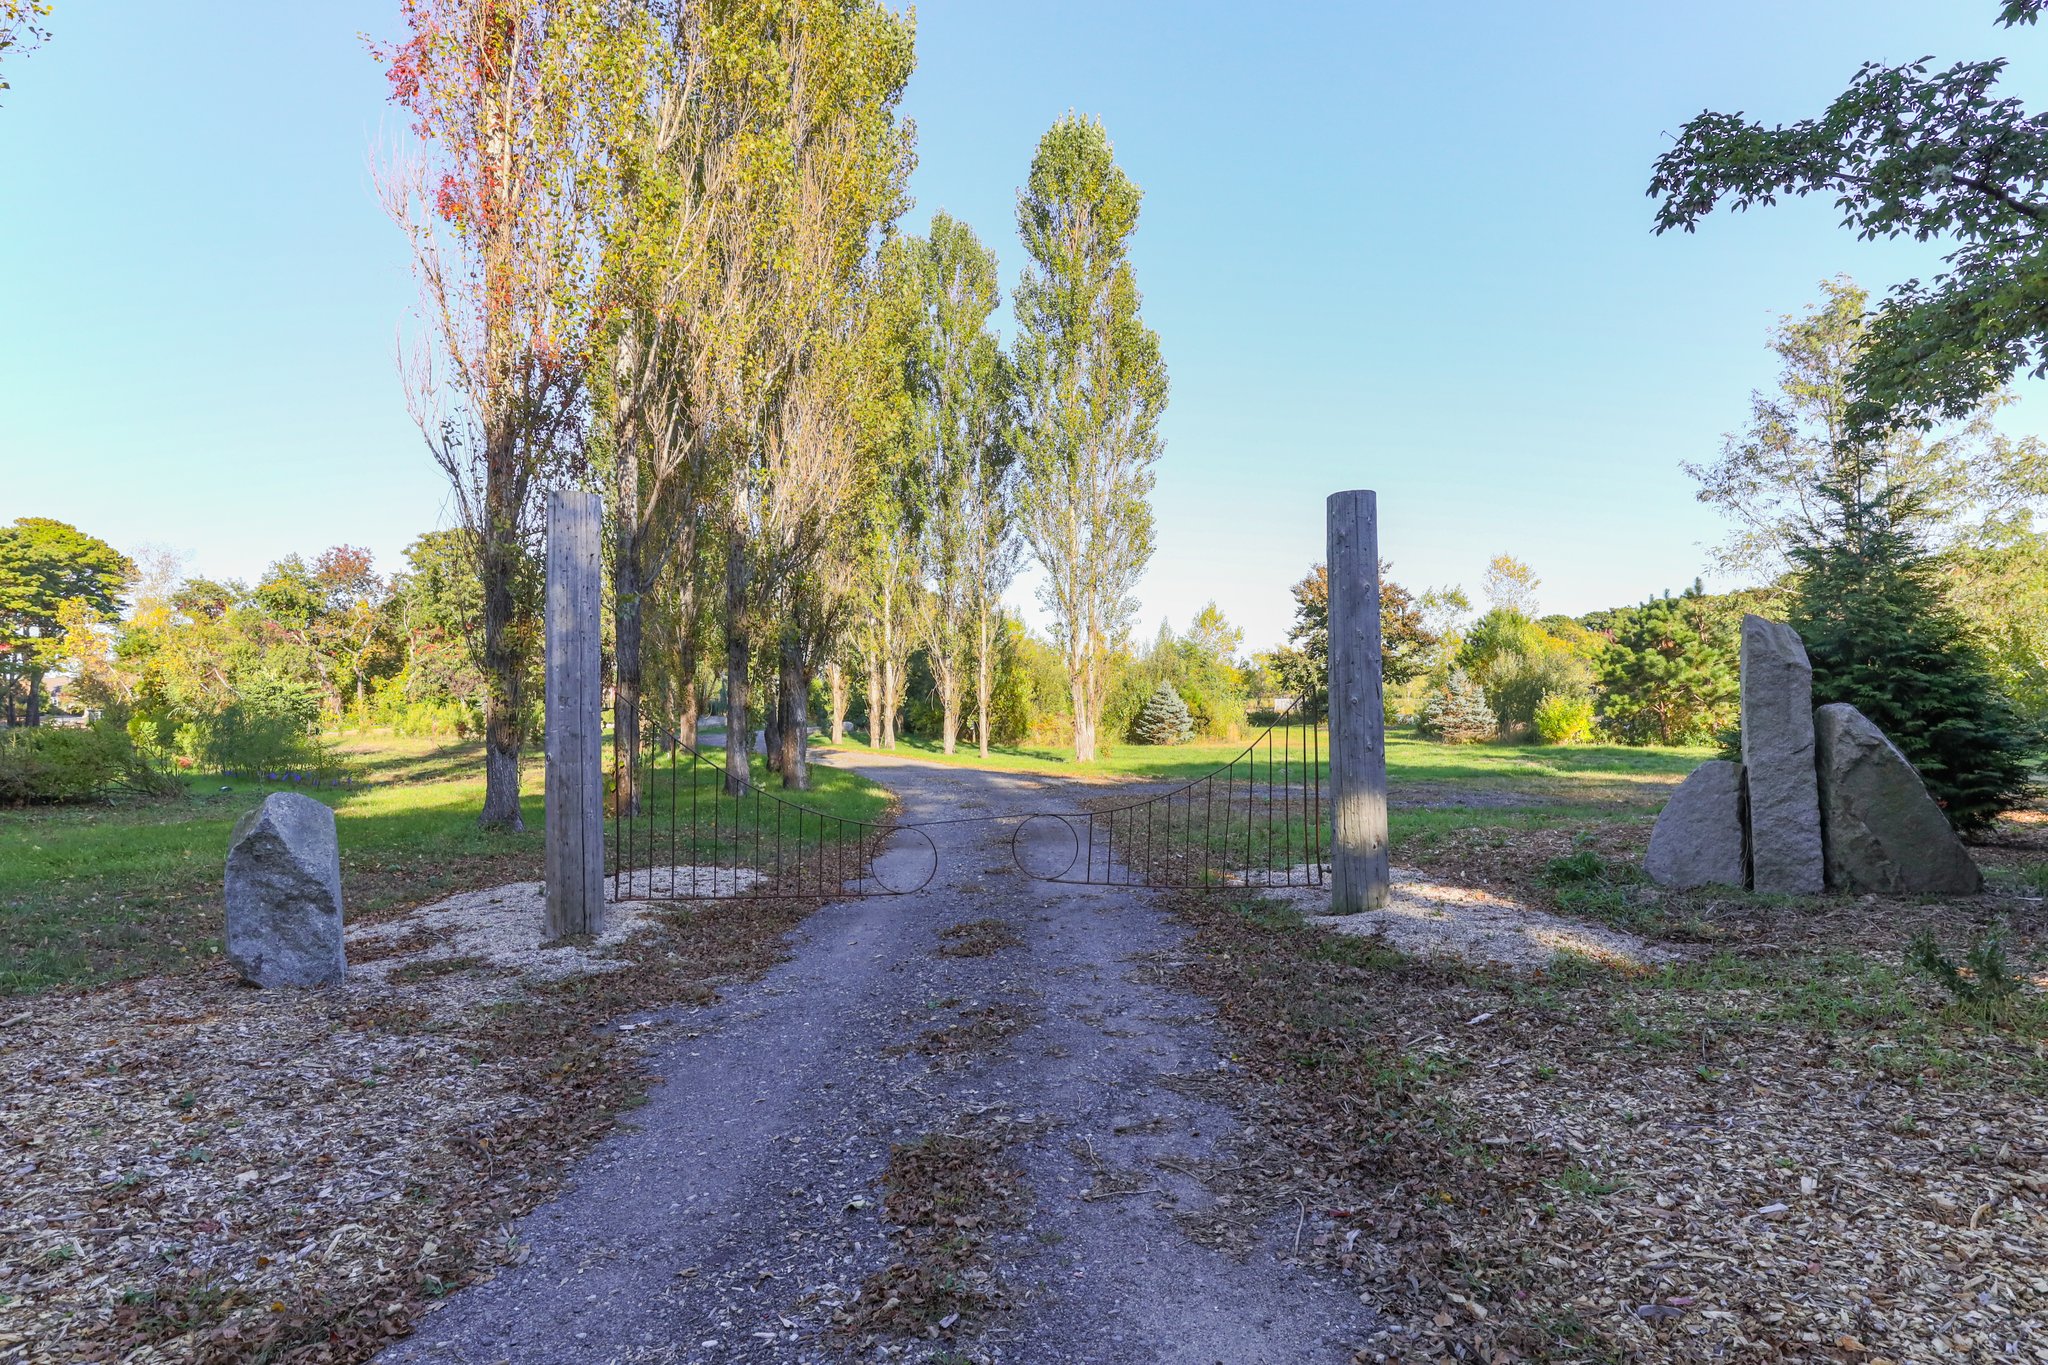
(1517,663)
(1407,642)
(437,601)
(961,385)
(1905,151)
(1883,637)
(498,213)
(1092,387)
(1999,580)
(45,564)
(1961,475)
(1669,674)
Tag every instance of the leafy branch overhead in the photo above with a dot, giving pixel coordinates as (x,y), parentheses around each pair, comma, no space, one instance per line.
(1907,152)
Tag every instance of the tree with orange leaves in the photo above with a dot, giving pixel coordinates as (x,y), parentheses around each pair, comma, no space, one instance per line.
(499,198)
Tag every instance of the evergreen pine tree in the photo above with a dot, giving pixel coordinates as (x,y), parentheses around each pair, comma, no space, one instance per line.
(1164,719)
(1883,637)
(1670,674)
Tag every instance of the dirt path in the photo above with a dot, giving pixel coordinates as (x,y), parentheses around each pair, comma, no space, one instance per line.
(740,1210)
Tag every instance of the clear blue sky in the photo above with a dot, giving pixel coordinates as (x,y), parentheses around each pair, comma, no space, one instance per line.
(1402,247)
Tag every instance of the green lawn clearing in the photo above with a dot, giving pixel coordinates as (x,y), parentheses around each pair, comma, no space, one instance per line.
(101,893)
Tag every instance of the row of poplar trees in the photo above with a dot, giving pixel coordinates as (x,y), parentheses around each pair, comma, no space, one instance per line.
(657,254)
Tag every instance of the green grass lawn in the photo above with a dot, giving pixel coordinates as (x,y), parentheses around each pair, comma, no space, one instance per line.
(812,839)
(1410,759)
(1246,803)
(101,893)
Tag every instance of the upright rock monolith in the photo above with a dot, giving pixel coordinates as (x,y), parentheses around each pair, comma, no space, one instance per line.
(1883,831)
(284,894)
(1698,839)
(1777,757)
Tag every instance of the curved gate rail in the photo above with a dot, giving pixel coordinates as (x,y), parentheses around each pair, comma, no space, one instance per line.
(686,839)
(1257,820)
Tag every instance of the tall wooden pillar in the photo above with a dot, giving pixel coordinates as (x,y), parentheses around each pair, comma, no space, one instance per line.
(1358,732)
(575,717)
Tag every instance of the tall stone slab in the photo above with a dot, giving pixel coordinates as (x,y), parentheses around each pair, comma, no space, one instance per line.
(1698,838)
(284,894)
(1882,830)
(1777,757)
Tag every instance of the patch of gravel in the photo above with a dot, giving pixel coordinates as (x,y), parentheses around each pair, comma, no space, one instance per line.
(501,927)
(1425,917)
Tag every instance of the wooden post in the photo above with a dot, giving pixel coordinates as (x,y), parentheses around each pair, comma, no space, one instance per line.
(575,718)
(1358,723)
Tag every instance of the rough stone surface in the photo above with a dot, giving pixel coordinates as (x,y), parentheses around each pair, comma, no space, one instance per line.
(1883,832)
(284,894)
(1777,753)
(1698,840)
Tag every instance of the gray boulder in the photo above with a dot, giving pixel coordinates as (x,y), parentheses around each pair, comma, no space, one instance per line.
(1698,839)
(284,894)
(1785,855)
(1883,831)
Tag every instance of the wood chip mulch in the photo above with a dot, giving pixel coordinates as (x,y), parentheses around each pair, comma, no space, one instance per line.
(195,1171)
(1780,1148)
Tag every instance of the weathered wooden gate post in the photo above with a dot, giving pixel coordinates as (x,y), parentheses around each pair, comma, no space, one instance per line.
(1358,738)
(575,718)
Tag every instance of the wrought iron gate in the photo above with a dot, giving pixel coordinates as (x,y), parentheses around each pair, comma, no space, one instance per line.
(1257,820)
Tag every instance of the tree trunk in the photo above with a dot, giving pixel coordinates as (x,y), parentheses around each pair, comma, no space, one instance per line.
(35,696)
(835,676)
(1084,723)
(687,708)
(888,702)
(771,717)
(981,685)
(949,707)
(504,682)
(874,703)
(794,708)
(689,704)
(628,662)
(739,736)
(506,645)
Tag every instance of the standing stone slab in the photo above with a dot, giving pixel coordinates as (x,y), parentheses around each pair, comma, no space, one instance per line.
(284,894)
(1777,758)
(1698,839)
(1883,831)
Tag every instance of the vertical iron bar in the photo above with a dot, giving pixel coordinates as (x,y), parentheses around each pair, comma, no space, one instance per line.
(1146,873)
(1315,777)
(1287,795)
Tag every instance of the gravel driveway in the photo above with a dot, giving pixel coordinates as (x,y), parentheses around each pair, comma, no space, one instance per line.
(739,1209)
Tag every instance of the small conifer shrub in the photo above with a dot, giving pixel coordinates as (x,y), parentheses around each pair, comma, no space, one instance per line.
(1164,718)
(1883,637)
(1457,712)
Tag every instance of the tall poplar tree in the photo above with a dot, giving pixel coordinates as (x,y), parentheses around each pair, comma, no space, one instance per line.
(959,382)
(498,207)
(1092,387)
